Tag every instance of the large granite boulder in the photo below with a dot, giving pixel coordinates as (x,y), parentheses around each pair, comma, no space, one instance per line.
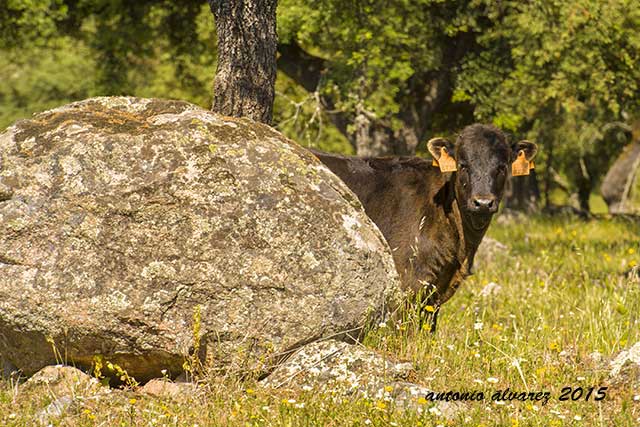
(138,231)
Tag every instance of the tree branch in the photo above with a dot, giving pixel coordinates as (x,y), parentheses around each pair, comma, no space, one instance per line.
(307,71)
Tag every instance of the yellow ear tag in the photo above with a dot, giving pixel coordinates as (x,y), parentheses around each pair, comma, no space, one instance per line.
(521,165)
(446,162)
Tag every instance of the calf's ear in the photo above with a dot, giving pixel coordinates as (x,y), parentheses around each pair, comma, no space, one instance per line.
(522,154)
(435,145)
(529,148)
(442,152)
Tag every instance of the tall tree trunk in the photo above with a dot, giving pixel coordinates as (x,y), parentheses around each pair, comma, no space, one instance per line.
(244,85)
(373,137)
(617,184)
(548,180)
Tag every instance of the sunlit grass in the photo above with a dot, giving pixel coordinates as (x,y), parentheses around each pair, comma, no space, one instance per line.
(562,297)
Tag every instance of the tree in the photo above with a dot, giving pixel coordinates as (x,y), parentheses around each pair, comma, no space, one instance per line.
(391,74)
(246,72)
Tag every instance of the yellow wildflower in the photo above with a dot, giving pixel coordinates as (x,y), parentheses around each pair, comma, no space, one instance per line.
(381,405)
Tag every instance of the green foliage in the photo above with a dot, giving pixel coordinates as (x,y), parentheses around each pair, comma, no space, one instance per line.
(579,56)
(569,69)
(301,116)
(55,52)
(29,21)
(44,77)
(635,194)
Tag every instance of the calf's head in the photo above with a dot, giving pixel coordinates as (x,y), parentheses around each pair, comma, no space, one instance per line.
(483,158)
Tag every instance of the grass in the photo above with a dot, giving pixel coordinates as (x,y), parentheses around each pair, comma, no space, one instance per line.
(563,297)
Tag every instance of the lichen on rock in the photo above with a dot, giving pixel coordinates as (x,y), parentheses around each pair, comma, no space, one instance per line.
(341,369)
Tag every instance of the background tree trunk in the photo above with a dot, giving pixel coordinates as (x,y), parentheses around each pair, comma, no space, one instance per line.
(522,193)
(617,184)
(244,85)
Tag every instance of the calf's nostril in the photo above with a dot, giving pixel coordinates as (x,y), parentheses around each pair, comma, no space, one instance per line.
(484,203)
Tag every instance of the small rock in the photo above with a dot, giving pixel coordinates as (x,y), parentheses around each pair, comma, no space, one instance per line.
(165,388)
(61,381)
(510,216)
(490,289)
(625,367)
(596,357)
(334,366)
(487,251)
(54,410)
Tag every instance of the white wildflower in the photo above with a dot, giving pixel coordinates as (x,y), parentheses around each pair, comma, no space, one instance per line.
(435,411)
